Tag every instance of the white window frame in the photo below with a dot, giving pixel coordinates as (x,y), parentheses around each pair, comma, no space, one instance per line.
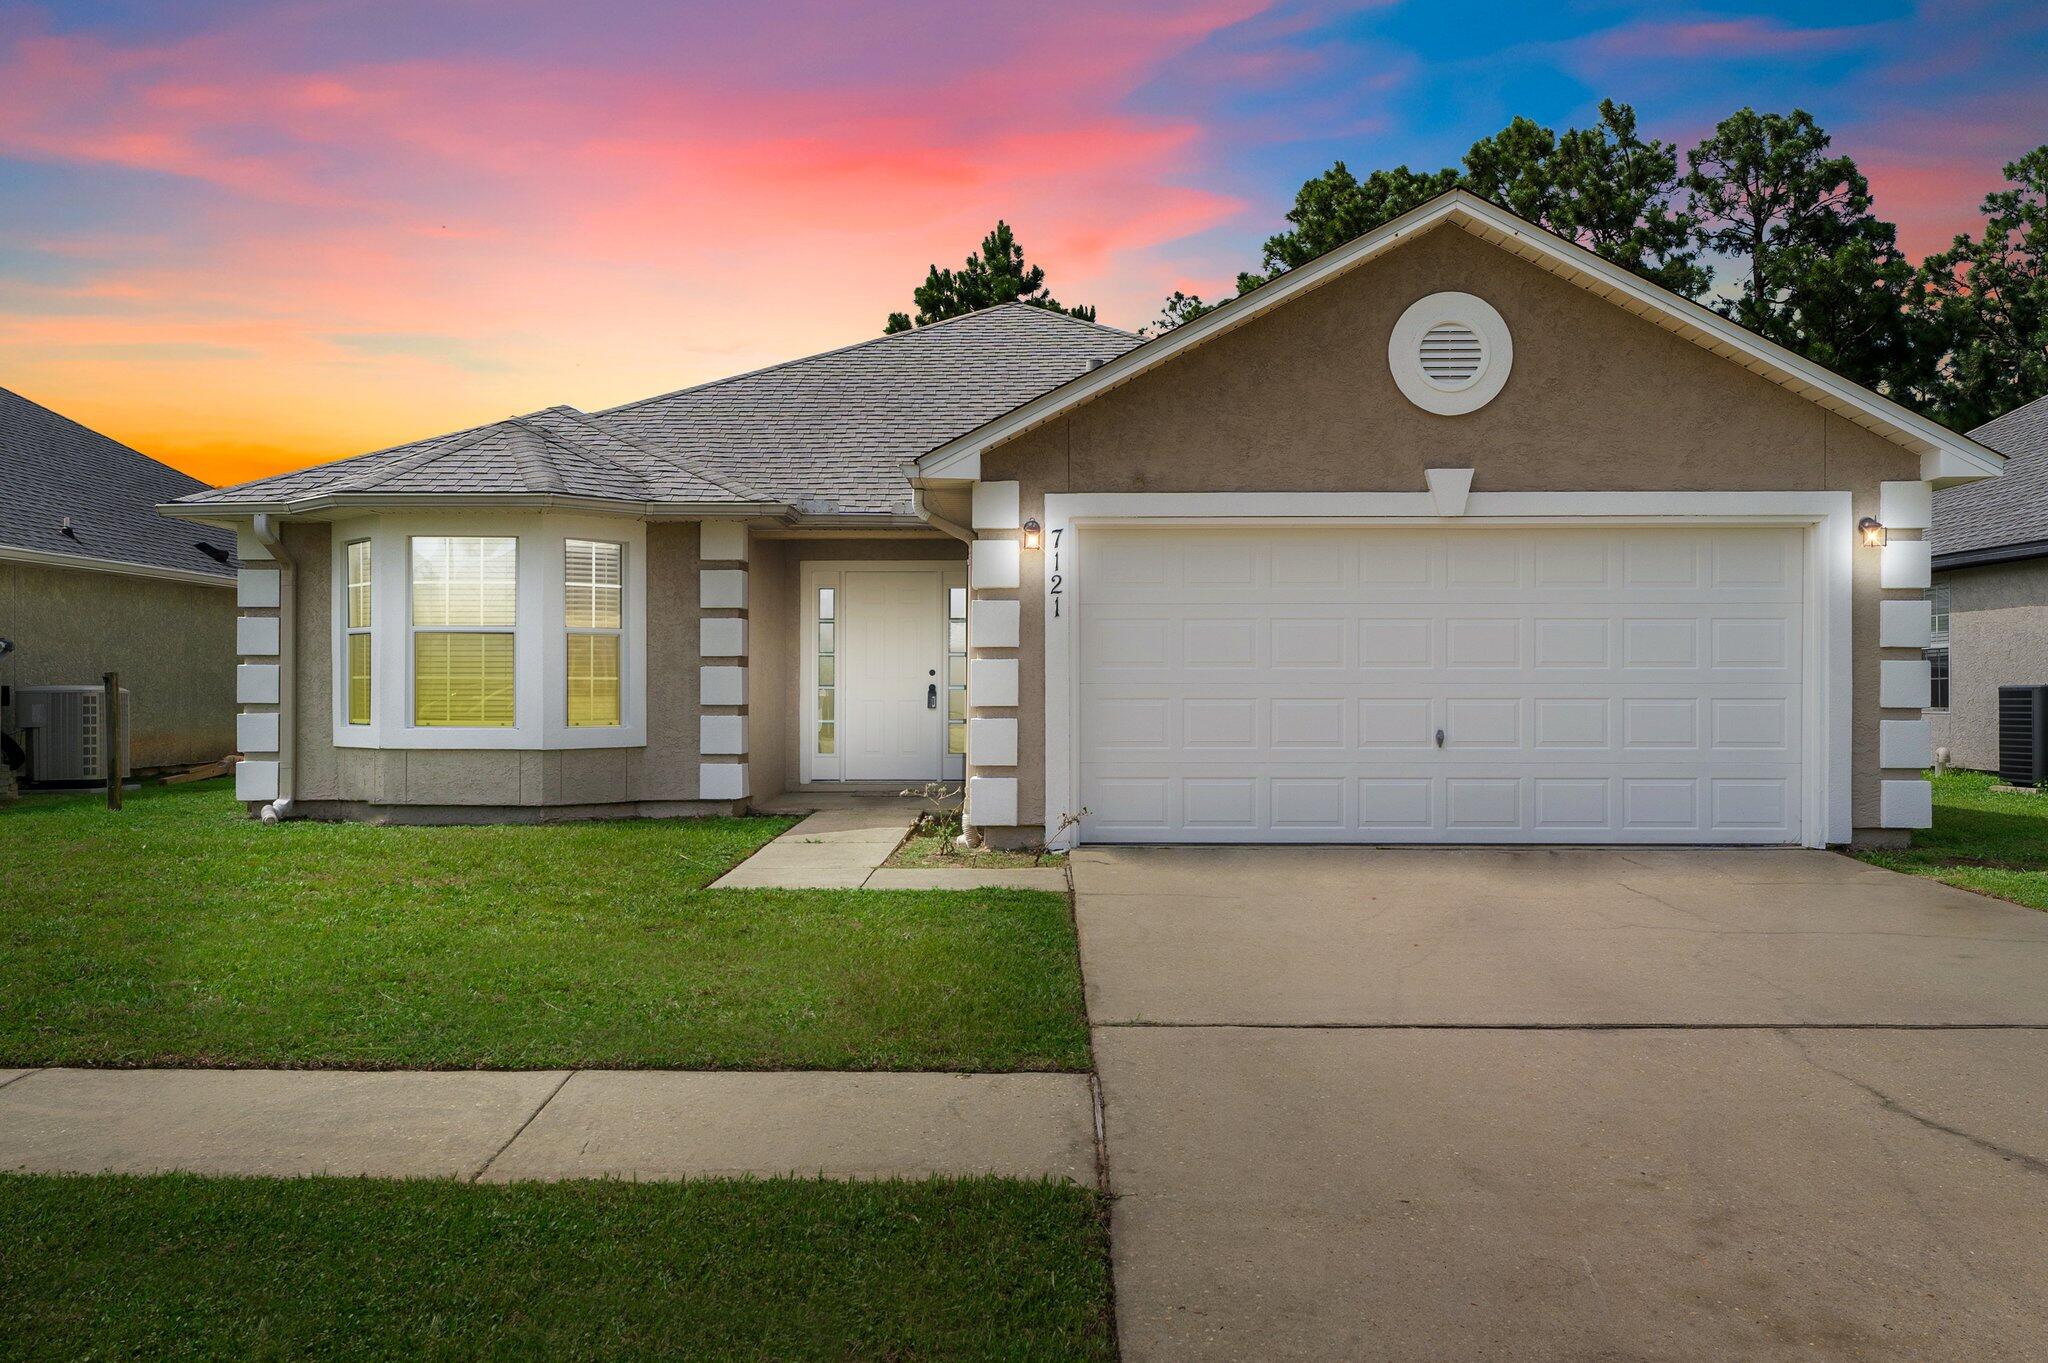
(569,631)
(540,649)
(1827,724)
(349,631)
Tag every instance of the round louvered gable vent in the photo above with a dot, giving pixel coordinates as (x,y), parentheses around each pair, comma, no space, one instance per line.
(1450,353)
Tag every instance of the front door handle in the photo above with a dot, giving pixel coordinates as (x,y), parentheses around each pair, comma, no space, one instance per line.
(931,696)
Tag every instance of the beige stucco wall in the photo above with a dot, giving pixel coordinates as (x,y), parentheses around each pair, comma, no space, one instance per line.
(1998,636)
(662,774)
(775,571)
(172,642)
(1301,400)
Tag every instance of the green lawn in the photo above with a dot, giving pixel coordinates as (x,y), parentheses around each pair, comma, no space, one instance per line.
(178,931)
(179,1267)
(935,850)
(1991,841)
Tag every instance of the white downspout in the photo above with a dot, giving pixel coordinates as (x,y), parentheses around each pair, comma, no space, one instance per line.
(271,536)
(925,513)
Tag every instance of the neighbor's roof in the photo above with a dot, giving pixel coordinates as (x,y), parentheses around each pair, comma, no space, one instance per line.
(1944,455)
(828,434)
(52,468)
(2006,517)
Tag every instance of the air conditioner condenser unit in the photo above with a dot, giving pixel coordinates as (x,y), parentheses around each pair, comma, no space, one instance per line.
(66,732)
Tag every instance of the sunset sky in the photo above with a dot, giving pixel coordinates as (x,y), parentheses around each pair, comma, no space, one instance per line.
(247,236)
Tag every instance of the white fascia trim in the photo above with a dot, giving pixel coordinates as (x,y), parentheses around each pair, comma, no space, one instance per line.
(1955,457)
(1828,721)
(10,553)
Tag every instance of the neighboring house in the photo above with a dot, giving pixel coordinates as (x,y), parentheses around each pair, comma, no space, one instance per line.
(1990,594)
(1458,534)
(94,580)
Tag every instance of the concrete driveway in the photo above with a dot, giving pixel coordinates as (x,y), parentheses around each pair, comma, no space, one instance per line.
(1374,1104)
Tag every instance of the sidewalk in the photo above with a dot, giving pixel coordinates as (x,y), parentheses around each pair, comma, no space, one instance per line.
(843,846)
(546,1124)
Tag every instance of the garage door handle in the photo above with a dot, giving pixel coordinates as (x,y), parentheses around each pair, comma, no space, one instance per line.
(1439,738)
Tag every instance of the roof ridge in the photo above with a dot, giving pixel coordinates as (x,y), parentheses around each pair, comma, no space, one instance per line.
(575,447)
(740,490)
(885,338)
(474,436)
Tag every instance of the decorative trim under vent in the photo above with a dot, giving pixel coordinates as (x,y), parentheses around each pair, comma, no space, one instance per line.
(1450,353)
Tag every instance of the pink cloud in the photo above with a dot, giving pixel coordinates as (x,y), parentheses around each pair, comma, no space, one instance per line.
(572,230)
(1680,39)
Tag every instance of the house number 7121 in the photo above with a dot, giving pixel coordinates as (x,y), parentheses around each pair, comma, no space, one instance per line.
(1057,583)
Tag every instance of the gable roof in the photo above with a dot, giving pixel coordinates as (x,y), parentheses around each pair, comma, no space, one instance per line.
(2007,518)
(52,468)
(1945,455)
(826,434)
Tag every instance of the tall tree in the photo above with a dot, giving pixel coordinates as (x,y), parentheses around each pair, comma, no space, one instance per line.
(998,273)
(1337,206)
(1603,187)
(1177,311)
(1817,271)
(1988,298)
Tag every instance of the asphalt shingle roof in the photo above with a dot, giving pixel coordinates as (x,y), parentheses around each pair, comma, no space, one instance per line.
(51,467)
(2009,510)
(826,433)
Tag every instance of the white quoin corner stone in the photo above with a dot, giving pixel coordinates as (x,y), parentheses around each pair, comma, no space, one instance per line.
(722,685)
(996,506)
(1905,624)
(994,563)
(256,587)
(1906,804)
(723,637)
(723,588)
(994,624)
(992,742)
(992,801)
(992,681)
(256,636)
(1449,488)
(1902,684)
(724,542)
(256,732)
(1905,744)
(722,781)
(256,684)
(1905,506)
(722,734)
(1906,565)
(255,781)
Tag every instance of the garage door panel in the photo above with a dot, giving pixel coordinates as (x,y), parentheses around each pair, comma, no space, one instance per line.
(1635,685)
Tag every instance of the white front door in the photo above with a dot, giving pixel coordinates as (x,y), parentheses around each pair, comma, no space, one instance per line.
(1443,685)
(890,692)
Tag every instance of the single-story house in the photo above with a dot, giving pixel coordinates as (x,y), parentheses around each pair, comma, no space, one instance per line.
(1457,534)
(93,580)
(1990,618)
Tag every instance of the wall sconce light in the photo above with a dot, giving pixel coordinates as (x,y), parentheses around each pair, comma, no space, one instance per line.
(1873,532)
(1031,534)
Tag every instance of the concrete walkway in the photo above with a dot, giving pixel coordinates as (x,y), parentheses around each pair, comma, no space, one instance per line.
(1375,1104)
(551,1124)
(843,845)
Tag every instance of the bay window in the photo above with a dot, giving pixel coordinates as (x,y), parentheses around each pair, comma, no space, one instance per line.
(488,630)
(464,609)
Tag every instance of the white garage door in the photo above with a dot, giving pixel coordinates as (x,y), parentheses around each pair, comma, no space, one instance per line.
(1471,685)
